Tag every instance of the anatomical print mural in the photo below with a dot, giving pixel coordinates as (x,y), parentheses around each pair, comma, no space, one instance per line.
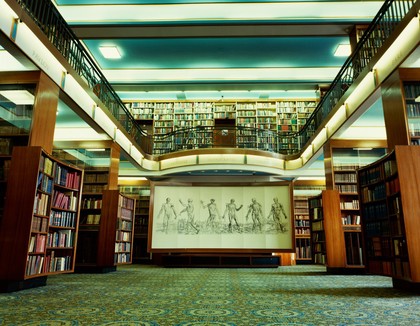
(241,217)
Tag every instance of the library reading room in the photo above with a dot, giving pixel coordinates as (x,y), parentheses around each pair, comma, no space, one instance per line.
(209,162)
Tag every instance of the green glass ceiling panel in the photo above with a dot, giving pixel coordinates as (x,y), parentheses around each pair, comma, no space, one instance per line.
(245,52)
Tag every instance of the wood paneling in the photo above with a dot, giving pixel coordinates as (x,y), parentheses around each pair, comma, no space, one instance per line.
(334,237)
(394,111)
(408,160)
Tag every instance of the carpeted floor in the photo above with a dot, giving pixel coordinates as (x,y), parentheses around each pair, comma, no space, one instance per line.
(149,295)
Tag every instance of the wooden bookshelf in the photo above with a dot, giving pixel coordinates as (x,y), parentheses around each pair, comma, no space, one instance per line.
(141,193)
(302,229)
(125,230)
(326,230)
(390,202)
(38,235)
(342,159)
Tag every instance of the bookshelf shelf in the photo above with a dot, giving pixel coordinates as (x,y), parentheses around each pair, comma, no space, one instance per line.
(38,238)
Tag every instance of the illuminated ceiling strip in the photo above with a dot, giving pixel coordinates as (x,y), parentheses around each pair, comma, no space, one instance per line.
(260,74)
(221,11)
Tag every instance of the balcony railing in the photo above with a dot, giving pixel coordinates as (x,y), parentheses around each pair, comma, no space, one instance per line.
(50,21)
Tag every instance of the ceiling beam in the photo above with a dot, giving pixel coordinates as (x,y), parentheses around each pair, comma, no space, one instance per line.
(224,30)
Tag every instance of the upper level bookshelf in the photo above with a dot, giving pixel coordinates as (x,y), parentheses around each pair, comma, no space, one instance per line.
(276,115)
(38,234)
(258,122)
(390,202)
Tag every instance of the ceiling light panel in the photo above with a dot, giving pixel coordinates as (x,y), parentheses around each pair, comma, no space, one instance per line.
(291,11)
(110,52)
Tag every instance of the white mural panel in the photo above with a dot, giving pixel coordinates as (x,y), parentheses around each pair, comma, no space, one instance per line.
(219,218)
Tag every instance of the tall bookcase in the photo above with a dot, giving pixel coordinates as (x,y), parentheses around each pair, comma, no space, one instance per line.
(124,229)
(38,234)
(342,159)
(141,193)
(106,240)
(390,203)
(302,229)
(326,230)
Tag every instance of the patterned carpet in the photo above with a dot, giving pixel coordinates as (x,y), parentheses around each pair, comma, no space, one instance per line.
(149,295)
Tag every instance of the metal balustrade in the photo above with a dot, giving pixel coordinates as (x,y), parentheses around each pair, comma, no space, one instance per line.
(50,21)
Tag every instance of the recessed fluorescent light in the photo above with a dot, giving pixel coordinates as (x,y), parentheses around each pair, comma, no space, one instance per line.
(343,50)
(19,97)
(110,52)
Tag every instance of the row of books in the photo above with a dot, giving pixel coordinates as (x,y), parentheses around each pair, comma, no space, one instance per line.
(122,247)
(41,204)
(65,200)
(318,226)
(354,204)
(92,203)
(123,236)
(92,219)
(46,165)
(122,258)
(124,225)
(39,224)
(57,264)
(377,192)
(392,186)
(37,243)
(347,177)
(34,265)
(61,239)
(96,177)
(126,202)
(351,220)
(45,183)
(66,178)
(303,252)
(302,223)
(371,175)
(375,211)
(351,188)
(62,218)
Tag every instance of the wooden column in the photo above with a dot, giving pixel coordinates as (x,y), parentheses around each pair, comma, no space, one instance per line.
(394,111)
(44,114)
(114,166)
